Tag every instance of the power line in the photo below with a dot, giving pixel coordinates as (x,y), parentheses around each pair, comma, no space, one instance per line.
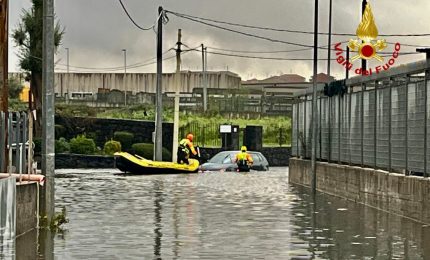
(132,20)
(286,59)
(186,16)
(242,33)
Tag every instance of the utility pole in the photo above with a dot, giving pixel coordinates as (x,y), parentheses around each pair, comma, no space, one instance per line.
(48,134)
(314,103)
(4,89)
(363,61)
(158,146)
(205,94)
(125,74)
(329,38)
(204,78)
(178,85)
(68,71)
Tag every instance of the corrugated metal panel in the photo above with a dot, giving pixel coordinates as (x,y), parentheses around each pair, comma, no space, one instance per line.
(382,123)
(369,120)
(407,125)
(325,128)
(428,127)
(334,126)
(318,145)
(355,135)
(416,126)
(398,128)
(308,128)
(344,129)
(294,131)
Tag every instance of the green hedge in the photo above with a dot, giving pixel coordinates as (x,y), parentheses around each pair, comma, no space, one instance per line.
(82,145)
(147,151)
(125,138)
(112,147)
(62,146)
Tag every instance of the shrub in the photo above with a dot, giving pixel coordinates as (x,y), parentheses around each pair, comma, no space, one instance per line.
(112,147)
(62,146)
(147,151)
(82,145)
(125,138)
(60,131)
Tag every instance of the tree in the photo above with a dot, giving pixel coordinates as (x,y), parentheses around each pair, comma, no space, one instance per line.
(15,87)
(28,36)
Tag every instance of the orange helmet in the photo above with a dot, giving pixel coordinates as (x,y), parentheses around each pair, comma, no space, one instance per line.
(190,137)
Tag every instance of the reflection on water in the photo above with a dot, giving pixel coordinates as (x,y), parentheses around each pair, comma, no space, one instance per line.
(216,216)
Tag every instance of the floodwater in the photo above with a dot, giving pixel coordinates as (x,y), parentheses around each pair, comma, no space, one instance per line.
(258,215)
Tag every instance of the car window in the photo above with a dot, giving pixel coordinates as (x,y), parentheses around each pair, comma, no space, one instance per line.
(219,158)
(255,158)
(228,159)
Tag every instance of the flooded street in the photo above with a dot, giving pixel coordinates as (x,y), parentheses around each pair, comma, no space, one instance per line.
(216,216)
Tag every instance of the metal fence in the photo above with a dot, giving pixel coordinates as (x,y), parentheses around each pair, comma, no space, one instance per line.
(14,142)
(208,135)
(381,122)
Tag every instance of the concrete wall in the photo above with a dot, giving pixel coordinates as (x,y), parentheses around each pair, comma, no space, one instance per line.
(408,196)
(77,161)
(141,82)
(26,207)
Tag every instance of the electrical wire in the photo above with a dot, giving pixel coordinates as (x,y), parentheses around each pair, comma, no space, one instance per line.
(134,22)
(243,33)
(285,59)
(187,16)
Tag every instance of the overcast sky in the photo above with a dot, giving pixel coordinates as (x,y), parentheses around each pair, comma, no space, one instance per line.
(97,30)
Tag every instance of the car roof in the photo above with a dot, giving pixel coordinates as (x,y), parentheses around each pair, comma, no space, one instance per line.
(238,151)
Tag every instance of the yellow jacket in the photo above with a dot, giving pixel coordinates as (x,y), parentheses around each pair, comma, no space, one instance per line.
(187,146)
(244,156)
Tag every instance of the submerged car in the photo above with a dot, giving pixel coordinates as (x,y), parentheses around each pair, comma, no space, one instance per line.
(225,161)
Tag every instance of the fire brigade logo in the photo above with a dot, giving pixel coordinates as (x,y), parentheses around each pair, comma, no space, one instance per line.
(368,33)
(367,46)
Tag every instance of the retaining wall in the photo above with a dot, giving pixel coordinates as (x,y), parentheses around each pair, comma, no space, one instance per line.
(408,196)
(26,207)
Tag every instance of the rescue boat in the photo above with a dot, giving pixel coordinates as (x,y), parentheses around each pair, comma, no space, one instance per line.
(136,164)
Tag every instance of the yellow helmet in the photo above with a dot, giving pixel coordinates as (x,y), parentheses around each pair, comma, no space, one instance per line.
(243,148)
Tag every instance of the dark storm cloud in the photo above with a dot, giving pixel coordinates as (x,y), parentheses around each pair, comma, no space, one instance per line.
(97,31)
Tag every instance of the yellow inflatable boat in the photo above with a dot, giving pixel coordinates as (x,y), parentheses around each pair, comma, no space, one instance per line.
(138,165)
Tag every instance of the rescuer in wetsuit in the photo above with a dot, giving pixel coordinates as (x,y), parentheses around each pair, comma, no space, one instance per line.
(244,160)
(185,148)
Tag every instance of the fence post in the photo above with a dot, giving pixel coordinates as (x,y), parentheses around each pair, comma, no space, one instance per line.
(390,91)
(2,141)
(425,123)
(407,126)
(320,127)
(350,90)
(338,128)
(24,140)
(297,126)
(375,132)
(304,128)
(329,130)
(363,89)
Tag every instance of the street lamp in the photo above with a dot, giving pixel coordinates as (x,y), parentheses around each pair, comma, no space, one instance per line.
(125,72)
